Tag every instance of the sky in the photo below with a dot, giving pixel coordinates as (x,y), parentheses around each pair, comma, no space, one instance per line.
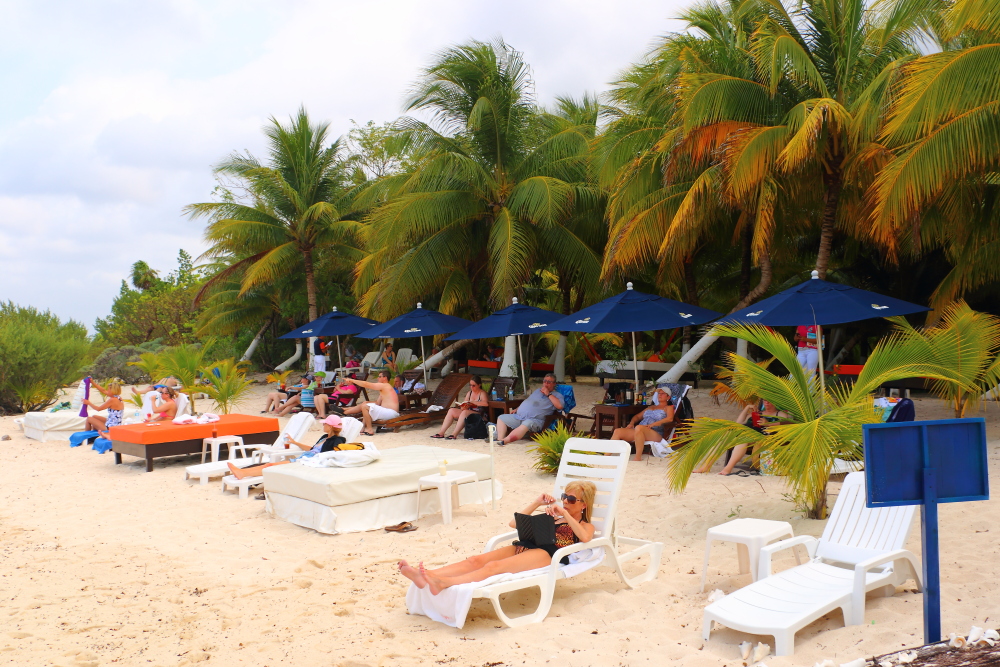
(113,112)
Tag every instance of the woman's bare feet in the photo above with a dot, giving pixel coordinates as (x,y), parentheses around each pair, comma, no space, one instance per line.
(412,574)
(436,585)
(240,473)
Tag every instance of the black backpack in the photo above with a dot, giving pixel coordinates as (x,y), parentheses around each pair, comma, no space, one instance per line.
(475,427)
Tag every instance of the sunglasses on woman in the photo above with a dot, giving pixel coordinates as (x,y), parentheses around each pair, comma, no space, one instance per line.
(570,498)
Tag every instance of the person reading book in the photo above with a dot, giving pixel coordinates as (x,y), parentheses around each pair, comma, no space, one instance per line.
(572,525)
(475,401)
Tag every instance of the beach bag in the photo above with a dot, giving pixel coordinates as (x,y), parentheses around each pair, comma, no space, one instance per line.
(475,427)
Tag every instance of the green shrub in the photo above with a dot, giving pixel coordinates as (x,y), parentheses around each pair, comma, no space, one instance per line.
(227,384)
(548,447)
(114,362)
(38,356)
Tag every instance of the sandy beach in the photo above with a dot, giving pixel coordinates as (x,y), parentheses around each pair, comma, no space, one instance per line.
(103,563)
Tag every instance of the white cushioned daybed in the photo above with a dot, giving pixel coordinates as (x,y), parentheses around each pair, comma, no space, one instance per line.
(383,493)
(45,426)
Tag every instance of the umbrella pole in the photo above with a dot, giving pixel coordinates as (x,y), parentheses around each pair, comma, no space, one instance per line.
(524,378)
(819,368)
(423,360)
(340,356)
(635,366)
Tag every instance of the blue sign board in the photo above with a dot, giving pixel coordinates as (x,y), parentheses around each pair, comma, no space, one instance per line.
(926,463)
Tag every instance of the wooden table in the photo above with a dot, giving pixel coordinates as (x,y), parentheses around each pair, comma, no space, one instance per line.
(501,407)
(618,415)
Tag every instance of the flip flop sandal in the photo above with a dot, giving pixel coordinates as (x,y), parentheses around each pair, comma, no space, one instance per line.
(437,436)
(739,473)
(449,437)
(260,496)
(403,527)
(370,435)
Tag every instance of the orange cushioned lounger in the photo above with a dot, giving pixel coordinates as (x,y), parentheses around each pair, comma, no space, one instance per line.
(156,432)
(244,425)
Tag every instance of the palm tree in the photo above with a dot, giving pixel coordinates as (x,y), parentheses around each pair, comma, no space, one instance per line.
(822,426)
(293,206)
(490,187)
(938,185)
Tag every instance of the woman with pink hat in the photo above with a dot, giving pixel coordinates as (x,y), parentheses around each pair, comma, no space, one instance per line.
(331,438)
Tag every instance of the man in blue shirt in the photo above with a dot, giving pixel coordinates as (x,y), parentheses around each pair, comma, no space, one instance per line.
(531,414)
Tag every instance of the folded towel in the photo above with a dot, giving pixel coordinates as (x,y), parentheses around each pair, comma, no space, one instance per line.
(349,459)
(185,419)
(101,445)
(434,408)
(77,439)
(451,605)
(208,418)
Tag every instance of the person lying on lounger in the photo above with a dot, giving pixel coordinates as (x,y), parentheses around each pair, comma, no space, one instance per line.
(277,399)
(572,518)
(330,439)
(386,406)
(113,404)
(650,424)
(164,404)
(755,419)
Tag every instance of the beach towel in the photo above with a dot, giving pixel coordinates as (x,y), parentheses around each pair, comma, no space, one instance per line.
(101,445)
(349,459)
(451,606)
(77,439)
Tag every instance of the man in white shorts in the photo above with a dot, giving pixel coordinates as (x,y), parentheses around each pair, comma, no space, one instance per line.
(319,356)
(386,406)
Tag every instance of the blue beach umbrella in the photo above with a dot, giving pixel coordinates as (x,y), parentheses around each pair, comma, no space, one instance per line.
(334,323)
(635,311)
(516,319)
(419,322)
(821,302)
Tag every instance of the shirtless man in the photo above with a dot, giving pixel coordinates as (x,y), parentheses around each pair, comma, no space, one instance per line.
(385,407)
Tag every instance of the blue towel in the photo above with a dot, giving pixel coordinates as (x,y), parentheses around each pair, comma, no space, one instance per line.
(77,439)
(101,445)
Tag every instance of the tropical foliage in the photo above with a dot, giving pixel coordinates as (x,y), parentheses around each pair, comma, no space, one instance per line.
(548,447)
(822,425)
(227,384)
(39,355)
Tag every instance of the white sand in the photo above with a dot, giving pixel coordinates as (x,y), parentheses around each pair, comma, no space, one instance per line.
(104,564)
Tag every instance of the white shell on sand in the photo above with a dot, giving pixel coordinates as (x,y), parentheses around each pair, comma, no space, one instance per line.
(860,662)
(826,663)
(715,596)
(760,651)
(885,663)
(989,638)
(957,641)
(975,634)
(745,649)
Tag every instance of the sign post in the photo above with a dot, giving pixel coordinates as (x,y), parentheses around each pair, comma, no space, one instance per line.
(926,463)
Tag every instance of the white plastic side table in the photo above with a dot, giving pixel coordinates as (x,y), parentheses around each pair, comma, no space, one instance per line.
(750,536)
(222,439)
(447,487)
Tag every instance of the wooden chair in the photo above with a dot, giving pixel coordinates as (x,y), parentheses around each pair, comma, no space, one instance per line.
(445,395)
(412,400)
(502,386)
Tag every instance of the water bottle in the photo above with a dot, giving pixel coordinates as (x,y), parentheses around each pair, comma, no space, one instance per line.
(493,394)
(136,416)
(510,394)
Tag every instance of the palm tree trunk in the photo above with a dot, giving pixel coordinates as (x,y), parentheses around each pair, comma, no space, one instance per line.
(255,342)
(833,181)
(692,355)
(307,259)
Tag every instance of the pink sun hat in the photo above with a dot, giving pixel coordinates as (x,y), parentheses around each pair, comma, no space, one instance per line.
(334,421)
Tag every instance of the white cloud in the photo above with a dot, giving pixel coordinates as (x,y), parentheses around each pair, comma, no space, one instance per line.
(118,110)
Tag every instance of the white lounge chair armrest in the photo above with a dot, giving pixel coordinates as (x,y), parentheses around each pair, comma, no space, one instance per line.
(764,563)
(861,574)
(503,537)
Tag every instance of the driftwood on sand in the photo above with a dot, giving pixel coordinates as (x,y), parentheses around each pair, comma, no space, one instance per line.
(941,654)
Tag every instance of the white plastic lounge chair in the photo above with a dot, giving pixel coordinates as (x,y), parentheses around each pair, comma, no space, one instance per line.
(404,356)
(861,549)
(297,427)
(603,462)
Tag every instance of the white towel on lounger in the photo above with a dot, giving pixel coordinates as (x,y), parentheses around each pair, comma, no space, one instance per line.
(451,605)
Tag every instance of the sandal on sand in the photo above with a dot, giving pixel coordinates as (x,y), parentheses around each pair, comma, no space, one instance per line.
(259,496)
(449,437)
(437,436)
(739,473)
(404,527)
(370,435)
